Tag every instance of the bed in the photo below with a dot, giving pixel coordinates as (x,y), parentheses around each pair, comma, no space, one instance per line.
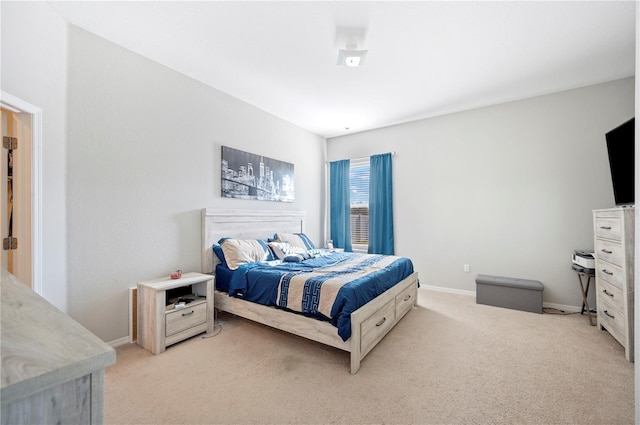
(367,324)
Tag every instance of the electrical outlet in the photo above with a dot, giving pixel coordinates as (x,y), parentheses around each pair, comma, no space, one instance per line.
(466,268)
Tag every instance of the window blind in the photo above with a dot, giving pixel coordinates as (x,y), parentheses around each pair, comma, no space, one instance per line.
(359,186)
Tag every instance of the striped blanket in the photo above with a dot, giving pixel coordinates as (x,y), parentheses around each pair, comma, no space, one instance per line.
(315,292)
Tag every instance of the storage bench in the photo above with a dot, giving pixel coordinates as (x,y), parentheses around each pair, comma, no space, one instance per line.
(509,292)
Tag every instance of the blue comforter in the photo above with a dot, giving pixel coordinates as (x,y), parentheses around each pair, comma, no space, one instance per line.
(365,277)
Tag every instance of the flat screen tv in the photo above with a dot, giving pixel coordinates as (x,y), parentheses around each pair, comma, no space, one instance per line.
(621,149)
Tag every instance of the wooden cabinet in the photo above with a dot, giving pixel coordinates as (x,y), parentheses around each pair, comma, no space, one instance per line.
(52,367)
(160,324)
(614,251)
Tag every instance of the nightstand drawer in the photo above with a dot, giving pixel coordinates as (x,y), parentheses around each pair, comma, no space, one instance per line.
(609,228)
(185,318)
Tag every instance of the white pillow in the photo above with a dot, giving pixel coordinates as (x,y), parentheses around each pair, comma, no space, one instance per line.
(299,240)
(240,251)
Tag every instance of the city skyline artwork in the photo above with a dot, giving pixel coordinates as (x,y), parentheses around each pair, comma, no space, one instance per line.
(249,176)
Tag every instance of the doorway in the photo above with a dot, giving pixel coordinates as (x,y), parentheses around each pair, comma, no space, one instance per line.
(15,180)
(20,171)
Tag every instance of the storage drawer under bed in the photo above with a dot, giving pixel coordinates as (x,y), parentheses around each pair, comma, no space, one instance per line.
(375,327)
(405,300)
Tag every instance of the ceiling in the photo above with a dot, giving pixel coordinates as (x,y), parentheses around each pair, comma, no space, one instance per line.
(426,58)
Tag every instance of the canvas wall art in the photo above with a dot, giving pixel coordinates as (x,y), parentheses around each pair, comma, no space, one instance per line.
(250,176)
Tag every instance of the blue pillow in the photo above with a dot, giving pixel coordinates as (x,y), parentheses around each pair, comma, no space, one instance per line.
(293,258)
(217,249)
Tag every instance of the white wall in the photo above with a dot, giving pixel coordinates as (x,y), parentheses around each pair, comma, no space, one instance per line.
(507,189)
(143,158)
(131,153)
(498,188)
(34,63)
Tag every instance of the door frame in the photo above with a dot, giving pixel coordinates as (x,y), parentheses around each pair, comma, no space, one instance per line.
(12,102)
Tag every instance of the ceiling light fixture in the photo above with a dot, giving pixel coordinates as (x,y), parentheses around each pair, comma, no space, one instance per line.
(351,56)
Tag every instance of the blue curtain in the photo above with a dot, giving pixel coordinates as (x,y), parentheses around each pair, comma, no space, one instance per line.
(381,205)
(340,199)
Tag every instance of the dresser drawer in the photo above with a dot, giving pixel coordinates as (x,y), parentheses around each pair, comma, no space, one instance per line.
(613,320)
(185,318)
(609,228)
(611,294)
(610,273)
(611,252)
(405,300)
(375,327)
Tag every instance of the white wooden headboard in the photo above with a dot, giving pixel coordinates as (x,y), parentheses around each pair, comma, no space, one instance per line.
(240,224)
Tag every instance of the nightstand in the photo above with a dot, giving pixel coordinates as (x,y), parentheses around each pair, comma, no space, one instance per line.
(160,324)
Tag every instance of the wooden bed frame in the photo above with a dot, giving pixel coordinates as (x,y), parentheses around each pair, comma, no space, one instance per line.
(369,324)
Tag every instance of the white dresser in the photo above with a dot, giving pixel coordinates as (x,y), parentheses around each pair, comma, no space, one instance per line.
(614,235)
(52,367)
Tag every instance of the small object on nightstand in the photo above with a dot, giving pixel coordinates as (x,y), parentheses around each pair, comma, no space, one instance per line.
(176,275)
(180,305)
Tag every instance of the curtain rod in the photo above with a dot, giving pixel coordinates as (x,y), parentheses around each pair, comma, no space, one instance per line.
(393,153)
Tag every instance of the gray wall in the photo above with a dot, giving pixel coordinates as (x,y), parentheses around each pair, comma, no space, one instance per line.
(131,150)
(143,158)
(138,158)
(507,189)
(34,65)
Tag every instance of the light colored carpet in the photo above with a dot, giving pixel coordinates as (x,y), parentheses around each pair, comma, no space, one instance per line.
(449,361)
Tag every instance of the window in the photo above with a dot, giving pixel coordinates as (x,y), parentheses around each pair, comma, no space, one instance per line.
(359,185)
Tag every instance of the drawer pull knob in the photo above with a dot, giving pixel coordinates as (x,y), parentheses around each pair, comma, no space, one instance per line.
(607,293)
(607,313)
(606,251)
(384,319)
(408,297)
(605,271)
(605,227)
(187,314)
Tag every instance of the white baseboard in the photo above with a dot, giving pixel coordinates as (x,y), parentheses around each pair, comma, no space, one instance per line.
(449,290)
(561,307)
(120,341)
(566,308)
